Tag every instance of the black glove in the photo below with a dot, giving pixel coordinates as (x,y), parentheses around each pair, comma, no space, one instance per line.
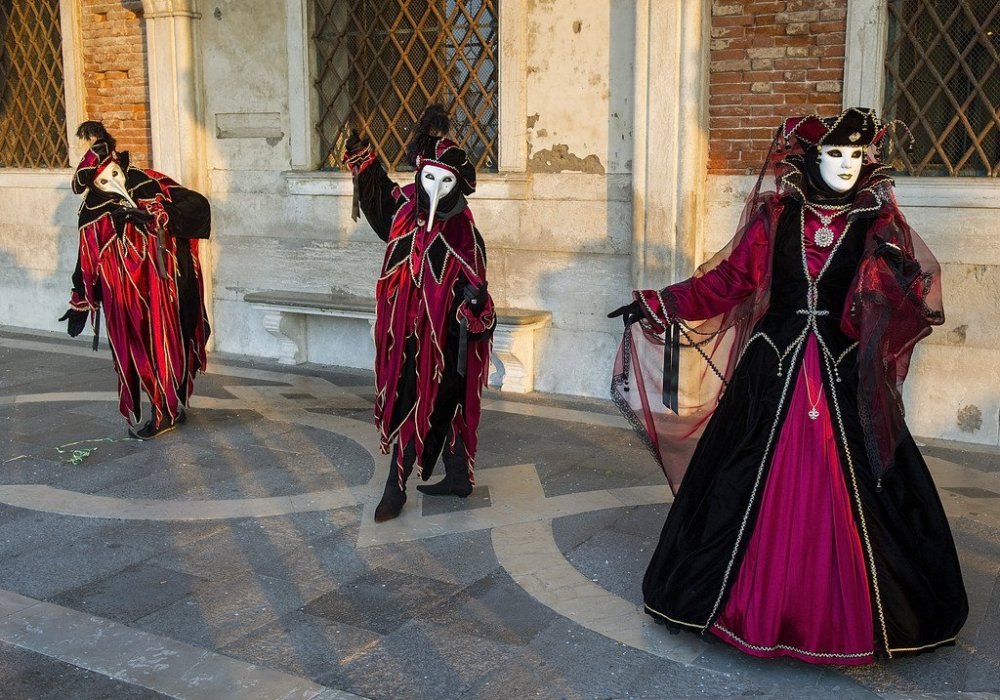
(904,268)
(101,148)
(630,313)
(476,296)
(76,321)
(887,251)
(355,143)
(122,214)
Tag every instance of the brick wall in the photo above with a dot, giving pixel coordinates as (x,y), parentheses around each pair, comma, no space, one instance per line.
(770,60)
(114,73)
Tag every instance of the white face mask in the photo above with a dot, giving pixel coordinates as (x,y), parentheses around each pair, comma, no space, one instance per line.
(112,180)
(438,183)
(839,166)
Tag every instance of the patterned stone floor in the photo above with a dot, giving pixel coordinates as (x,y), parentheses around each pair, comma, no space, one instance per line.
(237,558)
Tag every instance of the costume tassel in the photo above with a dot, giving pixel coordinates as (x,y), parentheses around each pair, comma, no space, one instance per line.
(355,202)
(97,328)
(671,367)
(463,346)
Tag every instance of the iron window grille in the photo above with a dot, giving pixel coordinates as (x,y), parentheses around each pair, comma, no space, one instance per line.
(32,95)
(942,82)
(379,63)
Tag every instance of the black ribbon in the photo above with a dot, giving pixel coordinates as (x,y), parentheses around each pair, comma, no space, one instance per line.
(463,345)
(355,202)
(671,366)
(97,328)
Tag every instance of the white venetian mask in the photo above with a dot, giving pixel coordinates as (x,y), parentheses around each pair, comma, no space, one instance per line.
(839,166)
(111,179)
(438,183)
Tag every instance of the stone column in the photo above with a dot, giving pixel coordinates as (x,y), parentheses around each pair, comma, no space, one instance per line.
(176,106)
(671,139)
(175,94)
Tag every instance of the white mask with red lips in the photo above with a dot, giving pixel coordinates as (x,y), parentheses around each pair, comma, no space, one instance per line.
(840,166)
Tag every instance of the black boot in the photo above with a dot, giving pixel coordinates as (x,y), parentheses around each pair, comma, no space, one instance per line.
(393,497)
(456,475)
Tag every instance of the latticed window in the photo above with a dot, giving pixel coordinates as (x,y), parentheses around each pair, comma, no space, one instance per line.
(32,97)
(942,81)
(379,63)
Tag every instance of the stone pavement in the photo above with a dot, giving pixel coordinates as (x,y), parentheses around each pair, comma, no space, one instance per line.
(236,557)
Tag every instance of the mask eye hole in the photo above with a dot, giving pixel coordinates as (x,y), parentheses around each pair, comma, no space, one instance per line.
(834,153)
(428,176)
(856,153)
(104,180)
(449,179)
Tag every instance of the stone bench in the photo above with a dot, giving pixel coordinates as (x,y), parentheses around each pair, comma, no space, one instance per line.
(285,315)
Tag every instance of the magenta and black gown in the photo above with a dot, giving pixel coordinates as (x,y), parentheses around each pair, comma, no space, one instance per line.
(781,541)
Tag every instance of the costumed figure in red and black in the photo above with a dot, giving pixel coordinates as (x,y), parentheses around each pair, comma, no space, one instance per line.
(806,523)
(138,261)
(434,318)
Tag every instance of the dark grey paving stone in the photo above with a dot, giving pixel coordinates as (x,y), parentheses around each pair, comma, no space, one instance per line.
(56,429)
(460,558)
(980,457)
(303,645)
(592,665)
(972,492)
(615,561)
(435,505)
(219,612)
(307,527)
(573,530)
(35,532)
(166,480)
(26,675)
(133,592)
(44,573)
(643,521)
(420,661)
(526,675)
(777,678)
(494,607)
(235,547)
(381,601)
(24,468)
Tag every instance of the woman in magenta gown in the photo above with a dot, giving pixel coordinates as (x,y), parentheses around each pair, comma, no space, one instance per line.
(805,522)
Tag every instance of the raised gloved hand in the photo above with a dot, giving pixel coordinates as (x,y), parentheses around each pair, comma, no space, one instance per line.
(630,313)
(76,321)
(137,216)
(355,143)
(476,296)
(890,252)
(101,148)
(905,268)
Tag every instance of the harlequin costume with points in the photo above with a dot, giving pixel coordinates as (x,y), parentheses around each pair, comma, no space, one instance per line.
(434,318)
(138,261)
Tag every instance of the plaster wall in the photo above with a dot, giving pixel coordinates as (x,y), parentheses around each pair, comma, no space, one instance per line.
(37,247)
(557,228)
(953,388)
